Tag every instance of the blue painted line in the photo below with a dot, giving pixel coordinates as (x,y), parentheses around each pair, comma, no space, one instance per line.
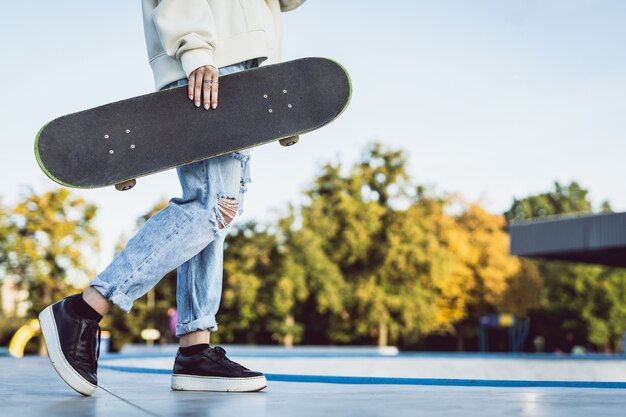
(366,380)
(115,356)
(515,356)
(134,370)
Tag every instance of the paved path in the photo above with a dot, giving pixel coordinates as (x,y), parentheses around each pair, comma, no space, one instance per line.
(30,387)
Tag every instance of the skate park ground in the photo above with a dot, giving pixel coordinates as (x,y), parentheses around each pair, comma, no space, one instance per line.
(317,381)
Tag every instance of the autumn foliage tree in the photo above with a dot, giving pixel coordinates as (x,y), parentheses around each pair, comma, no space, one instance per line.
(400,265)
(50,245)
(47,247)
(370,257)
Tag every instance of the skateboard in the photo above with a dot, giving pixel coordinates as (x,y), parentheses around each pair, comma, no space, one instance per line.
(116,143)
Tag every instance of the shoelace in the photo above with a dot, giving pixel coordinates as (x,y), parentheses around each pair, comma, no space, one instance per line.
(85,348)
(221,352)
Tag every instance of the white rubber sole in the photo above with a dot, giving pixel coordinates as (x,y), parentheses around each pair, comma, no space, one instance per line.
(215,383)
(60,364)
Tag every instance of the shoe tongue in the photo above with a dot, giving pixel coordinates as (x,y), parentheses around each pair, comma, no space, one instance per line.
(194,349)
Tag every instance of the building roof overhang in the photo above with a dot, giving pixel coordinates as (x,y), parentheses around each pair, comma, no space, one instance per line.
(598,239)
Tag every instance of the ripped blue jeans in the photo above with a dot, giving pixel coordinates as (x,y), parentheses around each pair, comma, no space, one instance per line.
(189,235)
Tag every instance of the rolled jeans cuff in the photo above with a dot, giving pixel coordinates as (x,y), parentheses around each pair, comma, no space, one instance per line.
(112,294)
(203,323)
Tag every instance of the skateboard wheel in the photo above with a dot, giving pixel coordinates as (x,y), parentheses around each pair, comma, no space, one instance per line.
(126,185)
(289,141)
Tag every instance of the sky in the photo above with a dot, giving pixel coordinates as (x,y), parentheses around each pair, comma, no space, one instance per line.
(490,99)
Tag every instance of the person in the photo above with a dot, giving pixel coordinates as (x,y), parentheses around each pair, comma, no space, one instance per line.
(187,41)
(172,314)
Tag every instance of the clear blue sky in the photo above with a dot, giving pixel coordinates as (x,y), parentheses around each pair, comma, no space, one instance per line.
(492,99)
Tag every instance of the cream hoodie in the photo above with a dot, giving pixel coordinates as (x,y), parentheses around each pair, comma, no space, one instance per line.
(182,35)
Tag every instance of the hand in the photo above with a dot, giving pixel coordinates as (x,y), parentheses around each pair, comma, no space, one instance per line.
(203,86)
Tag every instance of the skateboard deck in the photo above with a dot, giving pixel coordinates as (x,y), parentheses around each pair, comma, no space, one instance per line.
(118,142)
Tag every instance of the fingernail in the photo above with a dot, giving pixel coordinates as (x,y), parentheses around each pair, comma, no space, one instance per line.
(190,97)
(206,107)
(197,104)
(214,106)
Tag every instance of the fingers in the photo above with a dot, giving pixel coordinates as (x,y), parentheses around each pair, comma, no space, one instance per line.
(203,87)
(197,90)
(214,89)
(210,87)
(191,85)
(206,91)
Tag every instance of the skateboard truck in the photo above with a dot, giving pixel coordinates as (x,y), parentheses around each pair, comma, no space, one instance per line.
(126,185)
(292,140)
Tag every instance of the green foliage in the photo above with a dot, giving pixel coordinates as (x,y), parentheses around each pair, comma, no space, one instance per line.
(562,200)
(396,264)
(251,266)
(370,257)
(345,235)
(47,244)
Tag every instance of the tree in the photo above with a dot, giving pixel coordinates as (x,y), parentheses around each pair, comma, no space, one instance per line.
(426,285)
(313,289)
(486,256)
(252,266)
(349,216)
(49,246)
(562,200)
(406,263)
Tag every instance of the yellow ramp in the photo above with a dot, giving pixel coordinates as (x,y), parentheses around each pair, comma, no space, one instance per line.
(22,336)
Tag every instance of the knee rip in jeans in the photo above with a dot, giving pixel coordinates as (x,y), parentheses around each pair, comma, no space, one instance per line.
(225,210)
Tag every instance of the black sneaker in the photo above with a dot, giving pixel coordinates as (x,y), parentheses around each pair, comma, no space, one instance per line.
(211,370)
(73,345)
